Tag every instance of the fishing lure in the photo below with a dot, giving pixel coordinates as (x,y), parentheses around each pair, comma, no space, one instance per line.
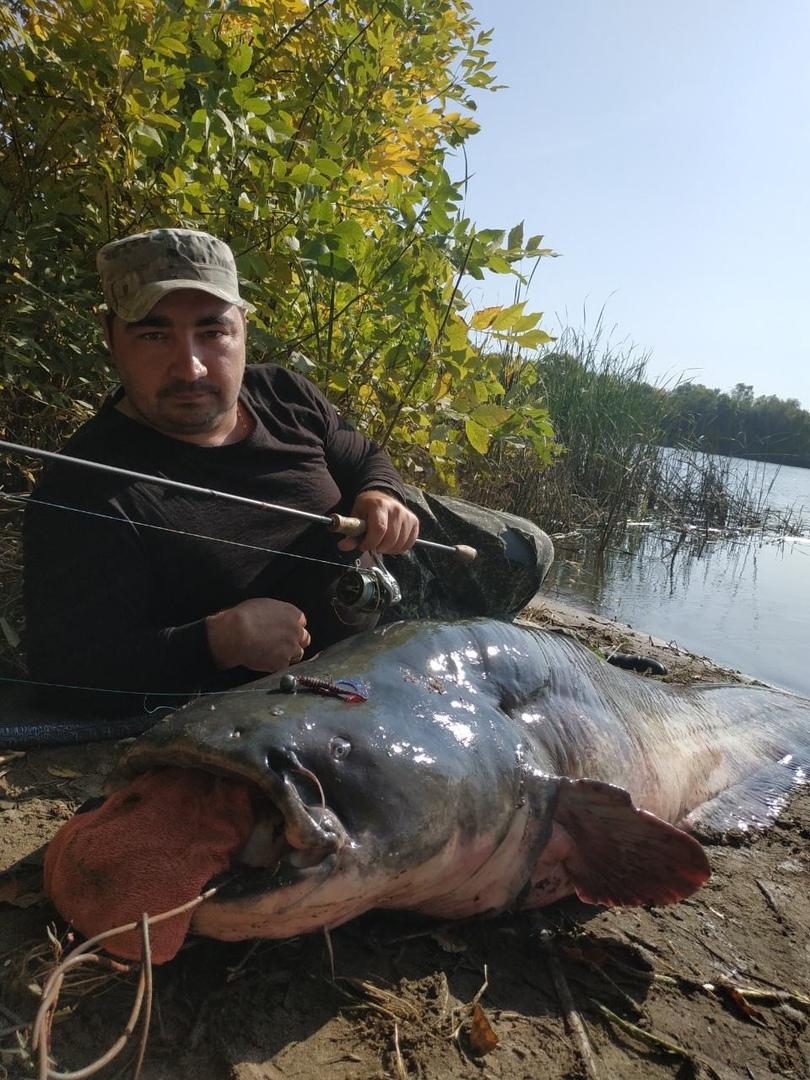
(349,690)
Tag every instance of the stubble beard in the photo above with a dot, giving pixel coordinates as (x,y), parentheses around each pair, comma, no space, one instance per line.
(184,418)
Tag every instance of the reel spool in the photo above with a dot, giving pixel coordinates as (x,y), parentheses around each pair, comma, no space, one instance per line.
(367,588)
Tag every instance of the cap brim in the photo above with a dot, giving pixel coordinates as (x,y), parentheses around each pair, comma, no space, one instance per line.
(144,300)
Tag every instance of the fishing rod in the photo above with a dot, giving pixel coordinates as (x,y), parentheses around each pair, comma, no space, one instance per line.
(337,523)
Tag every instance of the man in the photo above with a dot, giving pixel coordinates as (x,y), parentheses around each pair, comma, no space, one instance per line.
(137,594)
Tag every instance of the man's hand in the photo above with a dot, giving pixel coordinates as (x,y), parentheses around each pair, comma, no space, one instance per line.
(391,528)
(260,634)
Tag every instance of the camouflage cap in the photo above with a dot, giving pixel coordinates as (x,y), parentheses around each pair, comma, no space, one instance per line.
(139,270)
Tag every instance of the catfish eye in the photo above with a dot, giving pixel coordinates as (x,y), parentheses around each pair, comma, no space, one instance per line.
(340,748)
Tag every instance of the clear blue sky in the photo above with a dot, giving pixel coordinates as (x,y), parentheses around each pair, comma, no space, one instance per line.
(664,150)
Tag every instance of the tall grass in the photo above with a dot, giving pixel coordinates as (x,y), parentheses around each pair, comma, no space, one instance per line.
(708,491)
(609,422)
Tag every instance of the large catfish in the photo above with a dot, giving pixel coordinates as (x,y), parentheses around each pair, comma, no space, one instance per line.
(491,767)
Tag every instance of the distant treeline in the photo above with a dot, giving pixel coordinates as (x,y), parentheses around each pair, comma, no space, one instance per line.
(587,378)
(735,423)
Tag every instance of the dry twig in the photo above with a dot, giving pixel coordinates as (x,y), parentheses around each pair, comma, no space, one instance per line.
(143,996)
(573,1021)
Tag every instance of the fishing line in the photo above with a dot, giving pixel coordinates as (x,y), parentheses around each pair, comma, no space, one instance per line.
(28,500)
(184,694)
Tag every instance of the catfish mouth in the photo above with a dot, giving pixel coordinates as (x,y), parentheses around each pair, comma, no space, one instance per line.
(291,841)
(295,836)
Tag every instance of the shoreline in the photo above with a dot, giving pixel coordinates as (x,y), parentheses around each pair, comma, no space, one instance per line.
(609,635)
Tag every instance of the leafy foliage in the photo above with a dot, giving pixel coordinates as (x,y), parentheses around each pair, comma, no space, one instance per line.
(317,138)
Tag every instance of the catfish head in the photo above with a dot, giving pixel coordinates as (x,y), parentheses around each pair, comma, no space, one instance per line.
(415,797)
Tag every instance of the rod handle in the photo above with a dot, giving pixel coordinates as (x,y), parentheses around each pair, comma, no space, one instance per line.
(352,526)
(349,526)
(465,553)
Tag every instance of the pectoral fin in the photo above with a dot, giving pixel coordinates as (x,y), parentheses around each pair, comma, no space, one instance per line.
(612,853)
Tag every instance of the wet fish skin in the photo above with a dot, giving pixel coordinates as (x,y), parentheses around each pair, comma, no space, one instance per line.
(494,766)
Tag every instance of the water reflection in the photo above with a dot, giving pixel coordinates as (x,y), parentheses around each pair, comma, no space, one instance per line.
(742,600)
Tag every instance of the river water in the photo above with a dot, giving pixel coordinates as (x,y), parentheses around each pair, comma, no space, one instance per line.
(742,600)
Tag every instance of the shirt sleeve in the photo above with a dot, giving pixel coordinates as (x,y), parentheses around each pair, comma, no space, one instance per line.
(356,463)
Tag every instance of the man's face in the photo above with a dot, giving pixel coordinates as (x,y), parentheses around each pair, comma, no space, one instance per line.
(181,366)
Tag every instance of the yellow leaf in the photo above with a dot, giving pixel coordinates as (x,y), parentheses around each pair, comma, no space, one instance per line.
(484,318)
(477,435)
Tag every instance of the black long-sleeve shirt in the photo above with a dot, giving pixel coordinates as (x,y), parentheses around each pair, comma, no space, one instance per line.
(118,586)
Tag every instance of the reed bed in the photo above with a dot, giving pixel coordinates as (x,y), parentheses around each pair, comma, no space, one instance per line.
(694,490)
(609,422)
(614,467)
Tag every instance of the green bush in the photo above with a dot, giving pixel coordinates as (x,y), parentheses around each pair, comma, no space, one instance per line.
(317,139)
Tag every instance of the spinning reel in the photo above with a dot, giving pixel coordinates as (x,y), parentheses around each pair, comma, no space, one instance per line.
(368,588)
